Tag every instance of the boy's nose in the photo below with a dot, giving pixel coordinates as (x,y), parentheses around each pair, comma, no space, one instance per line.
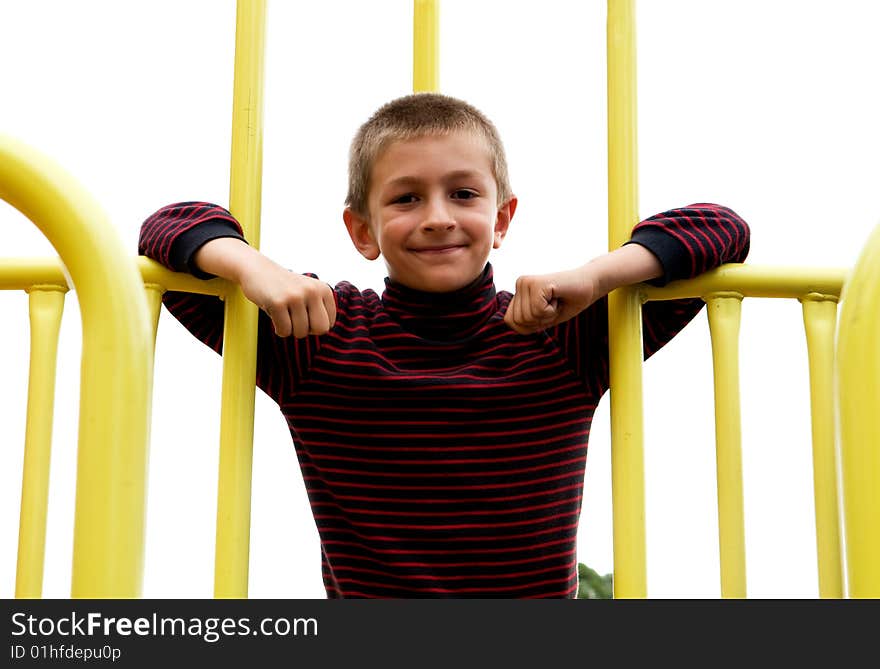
(438,219)
(437,226)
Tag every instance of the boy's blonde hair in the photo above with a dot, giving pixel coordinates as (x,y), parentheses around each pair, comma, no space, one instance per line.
(414,116)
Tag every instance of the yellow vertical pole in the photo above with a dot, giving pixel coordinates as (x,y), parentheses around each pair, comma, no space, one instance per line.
(232,547)
(820,319)
(624,310)
(426,46)
(858,387)
(46,306)
(724,318)
(154,293)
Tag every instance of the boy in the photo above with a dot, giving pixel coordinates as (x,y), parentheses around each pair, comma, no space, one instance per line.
(442,427)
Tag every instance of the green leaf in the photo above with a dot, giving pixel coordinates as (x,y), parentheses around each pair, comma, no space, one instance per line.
(593,586)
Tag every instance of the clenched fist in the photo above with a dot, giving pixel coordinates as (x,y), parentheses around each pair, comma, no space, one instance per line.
(546,300)
(298,305)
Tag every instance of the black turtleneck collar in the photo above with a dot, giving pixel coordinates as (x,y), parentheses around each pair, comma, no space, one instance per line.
(442,316)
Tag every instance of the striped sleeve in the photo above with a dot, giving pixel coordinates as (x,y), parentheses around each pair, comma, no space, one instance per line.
(693,239)
(171,236)
(687,242)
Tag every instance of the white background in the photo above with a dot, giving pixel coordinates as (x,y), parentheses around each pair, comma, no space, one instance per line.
(767,106)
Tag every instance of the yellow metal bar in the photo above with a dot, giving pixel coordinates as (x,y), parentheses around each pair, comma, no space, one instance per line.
(426,46)
(627,452)
(820,319)
(153,273)
(232,547)
(624,311)
(724,317)
(754,281)
(154,305)
(747,280)
(858,364)
(116,358)
(46,306)
(22,273)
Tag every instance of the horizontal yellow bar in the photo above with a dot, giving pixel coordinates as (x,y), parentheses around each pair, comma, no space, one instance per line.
(24,273)
(153,273)
(754,281)
(747,280)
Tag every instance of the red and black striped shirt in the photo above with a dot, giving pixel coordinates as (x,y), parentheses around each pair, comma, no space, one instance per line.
(443,453)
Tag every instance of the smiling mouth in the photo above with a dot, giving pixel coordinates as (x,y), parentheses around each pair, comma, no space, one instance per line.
(439,250)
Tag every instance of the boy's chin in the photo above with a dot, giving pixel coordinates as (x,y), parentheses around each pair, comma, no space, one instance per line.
(439,282)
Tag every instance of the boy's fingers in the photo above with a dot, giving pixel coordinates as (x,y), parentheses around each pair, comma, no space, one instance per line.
(514,318)
(544,309)
(510,319)
(515,308)
(280,321)
(551,314)
(319,320)
(529,307)
(508,315)
(535,306)
(524,300)
(519,315)
(544,302)
(330,306)
(299,318)
(540,308)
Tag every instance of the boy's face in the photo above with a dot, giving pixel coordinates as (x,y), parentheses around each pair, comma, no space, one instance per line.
(433,211)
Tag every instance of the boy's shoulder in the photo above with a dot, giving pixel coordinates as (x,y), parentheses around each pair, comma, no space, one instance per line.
(346,293)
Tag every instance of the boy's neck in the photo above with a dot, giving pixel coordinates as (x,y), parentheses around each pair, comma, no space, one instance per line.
(446,316)
(484,277)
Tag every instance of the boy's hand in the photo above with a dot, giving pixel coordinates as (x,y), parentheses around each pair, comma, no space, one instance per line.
(543,301)
(298,305)
(546,300)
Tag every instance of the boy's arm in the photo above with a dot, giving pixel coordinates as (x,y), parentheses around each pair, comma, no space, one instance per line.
(297,304)
(175,236)
(685,242)
(543,301)
(677,244)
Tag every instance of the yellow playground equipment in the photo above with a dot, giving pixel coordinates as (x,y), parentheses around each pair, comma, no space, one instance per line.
(120,298)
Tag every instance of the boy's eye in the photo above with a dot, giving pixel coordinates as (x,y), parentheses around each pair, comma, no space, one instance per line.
(407,198)
(464,194)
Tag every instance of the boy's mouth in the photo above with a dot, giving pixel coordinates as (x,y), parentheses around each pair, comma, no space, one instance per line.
(439,249)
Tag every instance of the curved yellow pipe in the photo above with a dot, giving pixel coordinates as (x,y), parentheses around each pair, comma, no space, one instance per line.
(116,359)
(858,387)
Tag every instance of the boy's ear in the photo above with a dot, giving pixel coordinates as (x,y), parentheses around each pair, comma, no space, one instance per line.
(361,234)
(502,221)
